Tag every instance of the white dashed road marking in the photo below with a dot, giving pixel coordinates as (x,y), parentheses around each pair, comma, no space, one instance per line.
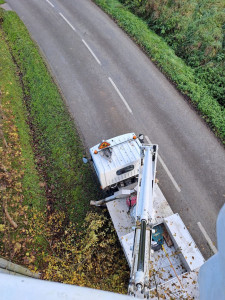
(166,169)
(121,96)
(49,2)
(209,241)
(91,51)
(65,19)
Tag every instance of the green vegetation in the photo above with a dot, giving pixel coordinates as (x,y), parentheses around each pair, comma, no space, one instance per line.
(21,194)
(196,32)
(188,80)
(61,150)
(2,1)
(12,99)
(51,231)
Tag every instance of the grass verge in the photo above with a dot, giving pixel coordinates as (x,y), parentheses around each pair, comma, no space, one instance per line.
(67,179)
(78,246)
(22,198)
(171,65)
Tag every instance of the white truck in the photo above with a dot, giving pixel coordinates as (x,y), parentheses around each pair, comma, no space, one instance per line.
(163,258)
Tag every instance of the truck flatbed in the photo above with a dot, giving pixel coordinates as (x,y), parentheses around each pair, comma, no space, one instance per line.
(159,249)
(176,266)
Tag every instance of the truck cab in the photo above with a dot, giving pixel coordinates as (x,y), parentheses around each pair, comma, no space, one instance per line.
(117,160)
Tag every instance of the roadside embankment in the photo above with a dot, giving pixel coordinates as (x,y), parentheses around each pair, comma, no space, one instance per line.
(46,223)
(22,198)
(57,143)
(195,30)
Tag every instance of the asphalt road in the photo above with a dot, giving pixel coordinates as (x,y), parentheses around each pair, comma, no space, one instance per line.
(112,88)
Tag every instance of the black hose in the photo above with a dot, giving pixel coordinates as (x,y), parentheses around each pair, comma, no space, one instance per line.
(141,256)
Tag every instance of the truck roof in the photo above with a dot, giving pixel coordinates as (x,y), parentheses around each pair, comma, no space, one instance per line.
(119,152)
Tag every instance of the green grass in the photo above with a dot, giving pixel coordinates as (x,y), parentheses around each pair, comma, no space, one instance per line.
(2,1)
(69,181)
(12,93)
(18,173)
(174,67)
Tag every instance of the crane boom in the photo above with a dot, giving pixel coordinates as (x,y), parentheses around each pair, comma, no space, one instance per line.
(139,276)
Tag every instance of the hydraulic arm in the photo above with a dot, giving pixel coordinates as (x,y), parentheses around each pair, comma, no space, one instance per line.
(139,278)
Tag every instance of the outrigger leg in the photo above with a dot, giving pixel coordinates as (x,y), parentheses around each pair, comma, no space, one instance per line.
(117,195)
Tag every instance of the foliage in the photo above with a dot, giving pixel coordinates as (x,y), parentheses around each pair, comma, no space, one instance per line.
(174,67)
(2,1)
(195,30)
(92,258)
